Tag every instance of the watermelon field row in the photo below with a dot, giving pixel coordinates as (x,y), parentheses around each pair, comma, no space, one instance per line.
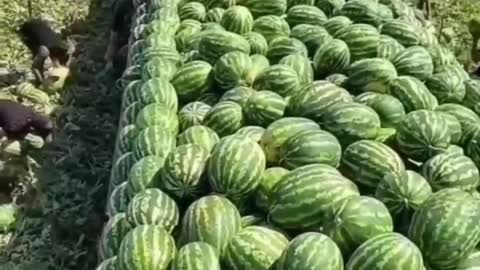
(292,135)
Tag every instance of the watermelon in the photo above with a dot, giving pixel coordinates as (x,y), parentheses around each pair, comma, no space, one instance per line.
(219,3)
(403,193)
(281,47)
(311,250)
(259,64)
(214,15)
(362,39)
(182,173)
(157,40)
(199,135)
(291,3)
(121,168)
(401,30)
(129,115)
(371,74)
(413,94)
(443,171)
(213,26)
(422,134)
(231,70)
(367,162)
(156,90)
(157,114)
(128,97)
(388,47)
(279,131)
(387,251)
(305,14)
(209,98)
(313,36)
(254,247)
(118,200)
(237,19)
(280,78)
(192,80)
(252,132)
(310,147)
(271,27)
(112,235)
(263,194)
(153,207)
(155,141)
(143,174)
(472,95)
(472,262)
(235,167)
(224,118)
(169,53)
(258,44)
(330,7)
(108,264)
(215,43)
(189,23)
(302,65)
(464,115)
(358,219)
(337,79)
(151,243)
(336,23)
(193,10)
(238,95)
(361,11)
(441,57)
(264,107)
(446,87)
(446,228)
(265,7)
(414,61)
(322,184)
(196,256)
(331,57)
(389,108)
(211,219)
(159,67)
(192,114)
(187,39)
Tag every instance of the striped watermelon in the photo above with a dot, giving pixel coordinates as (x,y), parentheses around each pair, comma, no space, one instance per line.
(311,250)
(157,114)
(252,132)
(254,247)
(279,78)
(463,114)
(271,27)
(213,26)
(310,147)
(153,141)
(192,10)
(361,11)
(305,14)
(258,44)
(279,131)
(413,94)
(231,70)
(451,170)
(302,65)
(259,64)
(403,193)
(151,243)
(196,256)
(143,174)
(216,43)
(358,219)
(389,108)
(192,114)
(157,40)
(388,47)
(153,207)
(367,162)
(121,167)
(472,262)
(118,200)
(224,118)
(200,135)
(264,107)
(313,36)
(401,30)
(337,79)
(157,90)
(371,74)
(219,3)
(192,80)
(214,15)
(362,39)
(330,7)
(158,67)
(166,52)
(237,19)
(441,57)
(291,3)
(187,39)
(189,23)
(456,69)
(108,264)
(127,97)
(351,122)
(265,7)
(388,251)
(209,98)
(447,87)
(324,187)
(112,235)
(130,114)
(414,61)
(336,23)
(422,134)
(446,228)
(472,95)
(182,173)
(211,219)
(331,57)
(263,194)
(238,95)
(281,47)
(235,167)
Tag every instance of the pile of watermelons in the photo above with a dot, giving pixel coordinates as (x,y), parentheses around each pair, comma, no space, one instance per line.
(293,135)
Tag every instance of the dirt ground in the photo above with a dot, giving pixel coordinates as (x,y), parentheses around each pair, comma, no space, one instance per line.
(65,217)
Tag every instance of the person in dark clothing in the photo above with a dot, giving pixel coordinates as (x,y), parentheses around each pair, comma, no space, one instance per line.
(119,33)
(17,120)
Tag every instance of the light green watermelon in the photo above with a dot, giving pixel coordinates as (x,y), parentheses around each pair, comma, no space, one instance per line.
(362,39)
(155,141)
(371,74)
(389,108)
(112,235)
(118,200)
(258,43)
(414,61)
(313,36)
(192,114)
(281,47)
(305,14)
(214,15)
(332,57)
(224,118)
(263,194)
(157,114)
(237,19)
(192,80)
(216,43)
(446,87)
(143,174)
(302,65)
(239,94)
(413,94)
(231,70)
(264,107)
(271,27)
(196,256)
(281,79)
(265,7)
(253,132)
(199,135)
(388,47)
(401,30)
(336,23)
